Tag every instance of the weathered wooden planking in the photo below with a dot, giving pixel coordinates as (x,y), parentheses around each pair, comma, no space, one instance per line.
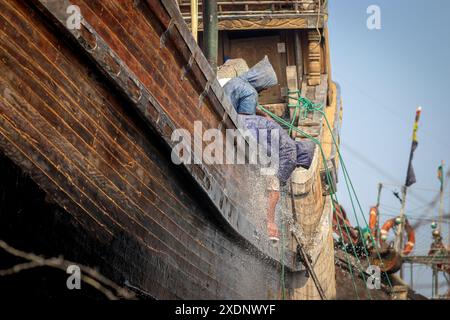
(292,83)
(152,181)
(82,144)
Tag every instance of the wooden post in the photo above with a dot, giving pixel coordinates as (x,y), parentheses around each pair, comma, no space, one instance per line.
(194,19)
(210,32)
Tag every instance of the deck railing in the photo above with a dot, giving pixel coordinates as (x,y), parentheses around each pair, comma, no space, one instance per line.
(257,8)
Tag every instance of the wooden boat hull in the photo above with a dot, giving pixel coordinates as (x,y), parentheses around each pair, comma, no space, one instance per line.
(100,151)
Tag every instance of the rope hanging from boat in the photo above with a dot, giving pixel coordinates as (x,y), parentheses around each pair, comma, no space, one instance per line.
(303,106)
(328,176)
(283,283)
(309,106)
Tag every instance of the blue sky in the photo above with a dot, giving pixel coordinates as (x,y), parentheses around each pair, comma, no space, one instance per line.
(385,74)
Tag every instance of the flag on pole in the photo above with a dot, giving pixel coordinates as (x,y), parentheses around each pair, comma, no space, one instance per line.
(411,176)
(441,176)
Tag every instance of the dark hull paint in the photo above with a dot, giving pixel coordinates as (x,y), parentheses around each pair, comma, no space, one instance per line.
(86,144)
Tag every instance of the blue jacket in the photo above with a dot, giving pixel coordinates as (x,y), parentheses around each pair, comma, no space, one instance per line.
(243,90)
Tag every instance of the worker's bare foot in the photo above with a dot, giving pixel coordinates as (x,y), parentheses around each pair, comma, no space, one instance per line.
(272,231)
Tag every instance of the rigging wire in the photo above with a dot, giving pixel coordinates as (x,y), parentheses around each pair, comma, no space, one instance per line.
(409,188)
(328,177)
(350,187)
(435,139)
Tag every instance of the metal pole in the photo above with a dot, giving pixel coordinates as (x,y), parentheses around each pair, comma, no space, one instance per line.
(299,59)
(411,275)
(304,255)
(410,179)
(309,267)
(399,239)
(441,206)
(432,283)
(194,19)
(435,282)
(210,32)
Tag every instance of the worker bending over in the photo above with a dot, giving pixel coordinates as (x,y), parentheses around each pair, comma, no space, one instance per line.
(243,94)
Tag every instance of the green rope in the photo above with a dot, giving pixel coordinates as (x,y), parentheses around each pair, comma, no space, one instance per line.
(308,106)
(328,175)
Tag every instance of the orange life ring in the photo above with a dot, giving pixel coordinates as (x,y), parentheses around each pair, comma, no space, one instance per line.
(409,246)
(373,221)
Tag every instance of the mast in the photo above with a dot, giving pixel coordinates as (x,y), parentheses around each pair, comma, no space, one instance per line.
(410,180)
(440,228)
(377,227)
(441,199)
